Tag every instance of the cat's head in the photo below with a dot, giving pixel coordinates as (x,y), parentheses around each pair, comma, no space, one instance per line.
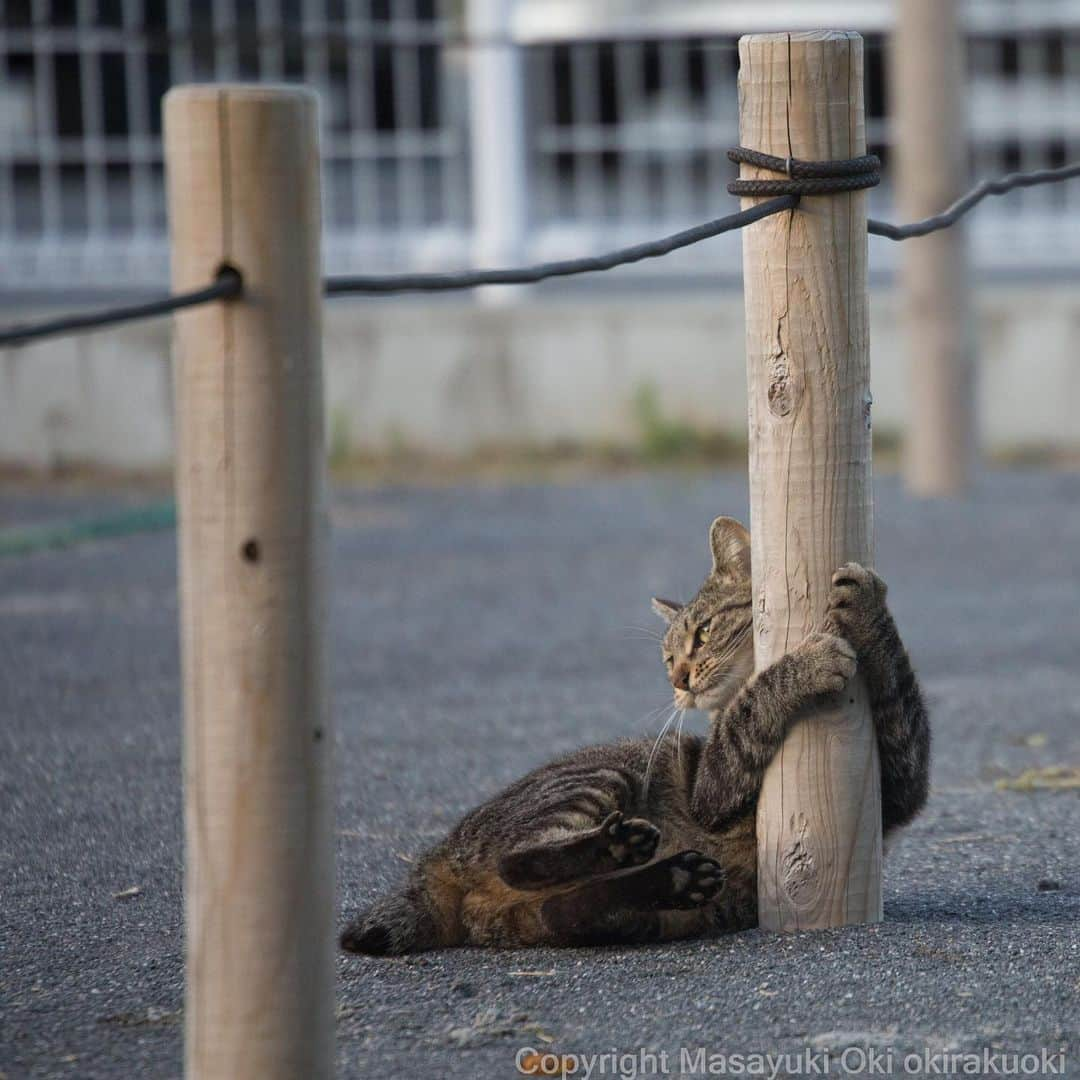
(708,649)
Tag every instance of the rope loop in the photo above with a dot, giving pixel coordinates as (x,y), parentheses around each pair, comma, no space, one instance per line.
(805,177)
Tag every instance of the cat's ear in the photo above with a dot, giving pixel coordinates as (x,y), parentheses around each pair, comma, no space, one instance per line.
(666,609)
(730,545)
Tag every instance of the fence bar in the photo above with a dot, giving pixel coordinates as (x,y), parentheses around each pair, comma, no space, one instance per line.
(630,94)
(138,118)
(46,132)
(360,85)
(405,79)
(931,166)
(259,883)
(7,139)
(93,123)
(496,122)
(808,367)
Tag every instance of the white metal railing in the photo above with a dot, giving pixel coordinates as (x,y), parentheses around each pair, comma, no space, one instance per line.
(501,130)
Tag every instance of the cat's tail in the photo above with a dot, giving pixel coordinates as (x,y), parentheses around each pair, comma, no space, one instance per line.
(395,925)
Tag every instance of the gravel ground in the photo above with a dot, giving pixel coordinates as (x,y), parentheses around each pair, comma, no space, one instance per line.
(476,632)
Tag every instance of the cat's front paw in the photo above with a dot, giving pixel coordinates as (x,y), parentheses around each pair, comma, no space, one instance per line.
(827,663)
(856,599)
(631,841)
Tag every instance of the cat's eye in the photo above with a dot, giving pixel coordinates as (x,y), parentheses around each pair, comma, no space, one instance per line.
(702,635)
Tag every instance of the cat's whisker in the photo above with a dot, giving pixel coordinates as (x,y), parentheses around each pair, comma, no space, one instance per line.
(655,747)
(652,714)
(678,738)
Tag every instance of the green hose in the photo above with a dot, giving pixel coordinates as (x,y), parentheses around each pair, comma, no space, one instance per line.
(22,540)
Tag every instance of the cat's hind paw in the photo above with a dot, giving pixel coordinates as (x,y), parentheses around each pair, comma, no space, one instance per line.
(695,879)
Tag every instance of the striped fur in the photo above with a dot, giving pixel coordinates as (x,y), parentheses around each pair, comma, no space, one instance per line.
(647,840)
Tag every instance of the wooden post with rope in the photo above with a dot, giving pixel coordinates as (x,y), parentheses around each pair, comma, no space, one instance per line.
(243,173)
(819,816)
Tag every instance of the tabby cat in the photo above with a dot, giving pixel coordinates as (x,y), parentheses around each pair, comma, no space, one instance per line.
(643,840)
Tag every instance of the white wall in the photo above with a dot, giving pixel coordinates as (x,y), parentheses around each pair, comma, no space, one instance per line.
(450,377)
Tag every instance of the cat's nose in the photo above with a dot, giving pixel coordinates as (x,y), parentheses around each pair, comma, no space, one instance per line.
(680,677)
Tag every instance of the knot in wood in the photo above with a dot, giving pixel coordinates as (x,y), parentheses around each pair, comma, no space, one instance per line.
(781,393)
(799,868)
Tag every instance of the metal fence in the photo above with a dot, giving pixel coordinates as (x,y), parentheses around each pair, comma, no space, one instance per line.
(618,136)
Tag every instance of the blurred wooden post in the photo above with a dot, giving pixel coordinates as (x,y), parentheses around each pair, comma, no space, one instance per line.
(243,171)
(927,77)
(808,367)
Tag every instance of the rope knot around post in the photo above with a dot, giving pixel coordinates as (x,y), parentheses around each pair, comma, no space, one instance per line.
(805,177)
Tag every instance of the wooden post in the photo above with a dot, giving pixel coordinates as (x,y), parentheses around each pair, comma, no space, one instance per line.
(243,170)
(927,74)
(807,356)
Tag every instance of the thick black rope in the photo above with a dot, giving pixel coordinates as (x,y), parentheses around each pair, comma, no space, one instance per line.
(805,177)
(967,202)
(528,275)
(852,174)
(816,177)
(226,286)
(838,176)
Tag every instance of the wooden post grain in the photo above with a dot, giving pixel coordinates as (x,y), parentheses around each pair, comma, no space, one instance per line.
(927,74)
(243,173)
(819,818)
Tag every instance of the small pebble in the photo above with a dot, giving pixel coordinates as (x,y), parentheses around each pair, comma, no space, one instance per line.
(1049,885)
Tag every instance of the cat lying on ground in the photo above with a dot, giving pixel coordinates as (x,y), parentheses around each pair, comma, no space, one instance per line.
(647,840)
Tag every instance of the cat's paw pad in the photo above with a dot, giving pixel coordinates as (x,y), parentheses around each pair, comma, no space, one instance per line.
(856,598)
(855,586)
(631,841)
(695,879)
(830,662)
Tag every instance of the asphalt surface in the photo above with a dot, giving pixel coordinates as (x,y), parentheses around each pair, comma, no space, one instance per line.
(476,632)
